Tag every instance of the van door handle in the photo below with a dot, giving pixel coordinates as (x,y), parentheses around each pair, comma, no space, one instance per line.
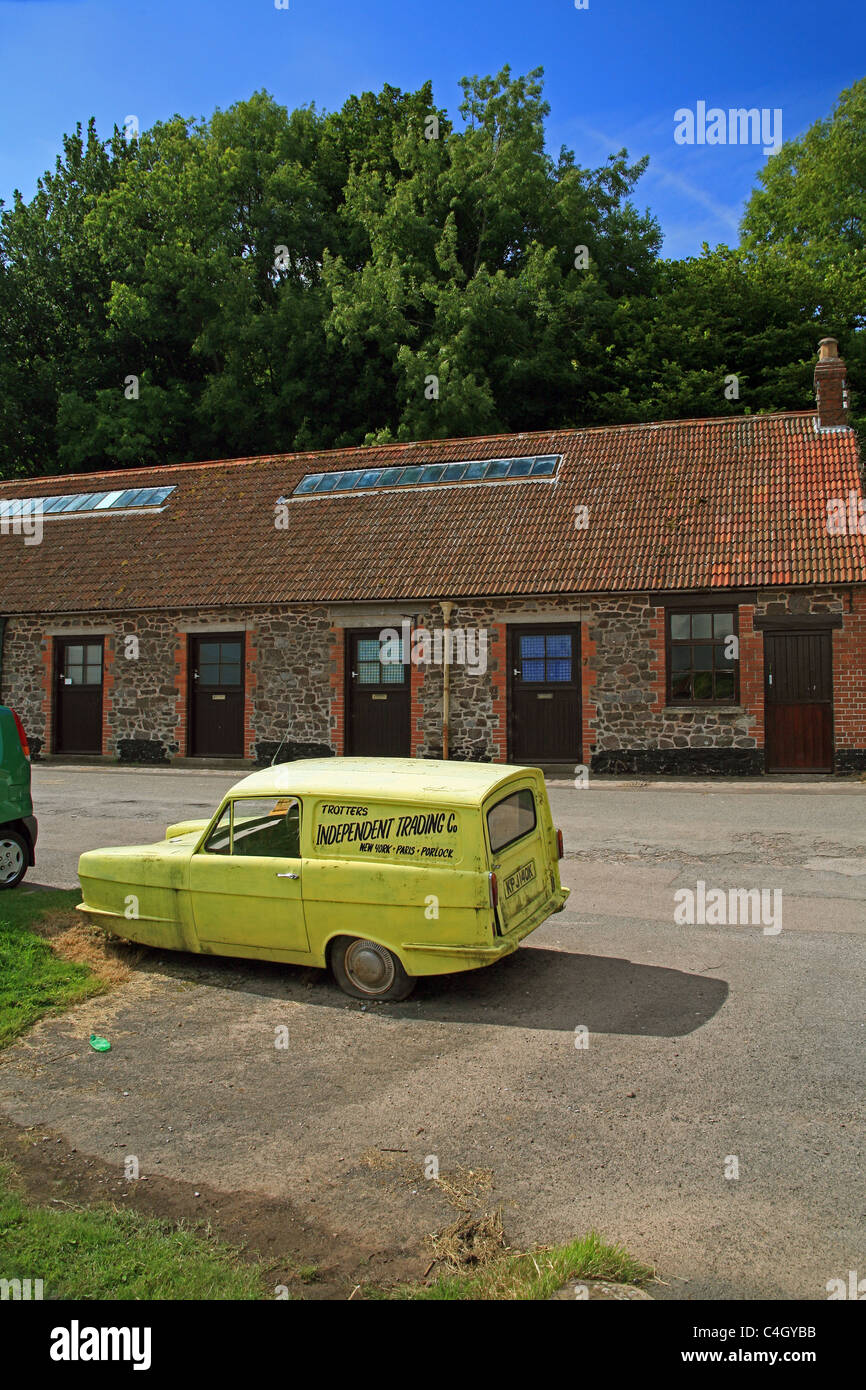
(288,875)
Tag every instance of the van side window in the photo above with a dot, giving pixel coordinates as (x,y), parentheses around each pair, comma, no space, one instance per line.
(511,819)
(265,826)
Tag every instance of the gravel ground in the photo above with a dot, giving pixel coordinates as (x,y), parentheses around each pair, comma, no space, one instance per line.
(705,1044)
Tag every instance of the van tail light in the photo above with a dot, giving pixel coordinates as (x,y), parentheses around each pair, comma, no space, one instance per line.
(21,734)
(559,849)
(494,891)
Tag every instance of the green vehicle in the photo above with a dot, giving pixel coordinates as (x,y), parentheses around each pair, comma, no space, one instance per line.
(18,826)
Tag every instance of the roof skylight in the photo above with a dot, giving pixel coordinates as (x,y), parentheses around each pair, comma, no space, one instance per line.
(121,499)
(430,474)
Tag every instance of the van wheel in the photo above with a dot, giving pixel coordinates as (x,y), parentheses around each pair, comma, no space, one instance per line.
(367,970)
(13,858)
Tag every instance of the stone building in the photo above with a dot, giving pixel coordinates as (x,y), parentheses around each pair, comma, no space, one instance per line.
(678,597)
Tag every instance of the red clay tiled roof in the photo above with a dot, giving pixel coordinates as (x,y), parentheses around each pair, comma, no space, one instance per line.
(694,504)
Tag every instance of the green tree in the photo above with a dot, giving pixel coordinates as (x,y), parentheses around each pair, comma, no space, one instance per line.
(53,297)
(471,297)
(807,222)
(281,280)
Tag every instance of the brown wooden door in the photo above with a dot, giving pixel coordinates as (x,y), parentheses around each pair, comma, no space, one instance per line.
(798,701)
(217,695)
(378,723)
(78,673)
(545,694)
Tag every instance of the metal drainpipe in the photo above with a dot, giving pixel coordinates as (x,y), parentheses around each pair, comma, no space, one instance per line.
(447,609)
(2,635)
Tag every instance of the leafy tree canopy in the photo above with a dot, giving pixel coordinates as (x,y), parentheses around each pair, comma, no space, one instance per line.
(267,281)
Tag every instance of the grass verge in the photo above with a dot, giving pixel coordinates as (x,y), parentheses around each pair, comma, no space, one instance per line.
(101,1253)
(34,981)
(535,1274)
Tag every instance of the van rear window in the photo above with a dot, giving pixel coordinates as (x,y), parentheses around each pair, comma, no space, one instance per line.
(511,819)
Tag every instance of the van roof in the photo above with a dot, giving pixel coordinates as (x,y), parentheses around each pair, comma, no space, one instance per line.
(408,779)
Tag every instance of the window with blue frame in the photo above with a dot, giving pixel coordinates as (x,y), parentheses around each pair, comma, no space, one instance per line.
(546,657)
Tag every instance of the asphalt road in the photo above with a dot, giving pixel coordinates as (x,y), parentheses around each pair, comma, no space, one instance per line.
(706,1043)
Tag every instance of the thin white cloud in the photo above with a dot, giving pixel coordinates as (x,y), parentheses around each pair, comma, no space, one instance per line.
(723,212)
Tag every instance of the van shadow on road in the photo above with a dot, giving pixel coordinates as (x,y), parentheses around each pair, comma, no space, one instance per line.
(535,988)
(539,988)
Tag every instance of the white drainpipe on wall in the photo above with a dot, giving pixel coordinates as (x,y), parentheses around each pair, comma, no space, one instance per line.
(447,609)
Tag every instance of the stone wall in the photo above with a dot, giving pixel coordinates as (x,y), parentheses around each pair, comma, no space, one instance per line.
(292,695)
(295,683)
(627,726)
(633,729)
(288,696)
(23,683)
(475,718)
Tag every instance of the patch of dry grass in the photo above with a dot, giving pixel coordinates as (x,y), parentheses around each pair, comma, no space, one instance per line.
(477,1235)
(505,1275)
(465,1188)
(472,1240)
(73,938)
(472,1258)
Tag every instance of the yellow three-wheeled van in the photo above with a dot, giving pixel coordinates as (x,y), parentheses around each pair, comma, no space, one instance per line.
(383,869)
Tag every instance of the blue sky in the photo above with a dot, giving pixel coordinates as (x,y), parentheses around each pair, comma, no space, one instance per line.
(615,73)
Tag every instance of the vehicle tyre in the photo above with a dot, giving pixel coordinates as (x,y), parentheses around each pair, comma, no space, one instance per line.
(366,970)
(14,857)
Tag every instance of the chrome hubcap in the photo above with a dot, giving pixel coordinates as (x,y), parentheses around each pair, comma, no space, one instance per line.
(11,860)
(369,967)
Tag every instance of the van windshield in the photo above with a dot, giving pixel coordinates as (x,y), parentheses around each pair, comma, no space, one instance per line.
(511,819)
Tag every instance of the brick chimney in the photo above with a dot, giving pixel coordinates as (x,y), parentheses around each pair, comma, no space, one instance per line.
(830,388)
